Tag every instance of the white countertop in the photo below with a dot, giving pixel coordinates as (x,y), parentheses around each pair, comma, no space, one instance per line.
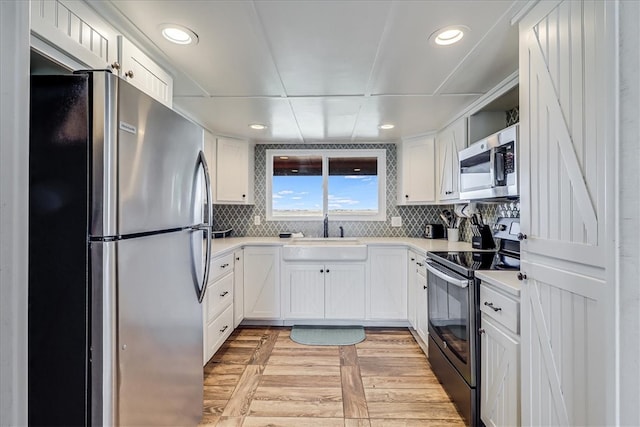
(220,246)
(506,281)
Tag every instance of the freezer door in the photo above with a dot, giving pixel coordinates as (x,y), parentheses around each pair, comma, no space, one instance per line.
(158,180)
(160,330)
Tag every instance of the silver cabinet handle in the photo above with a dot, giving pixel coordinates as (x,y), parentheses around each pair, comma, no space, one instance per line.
(225,328)
(481,331)
(491,306)
(129,74)
(224,293)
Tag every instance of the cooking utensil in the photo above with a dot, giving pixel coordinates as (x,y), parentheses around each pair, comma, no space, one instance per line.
(445,219)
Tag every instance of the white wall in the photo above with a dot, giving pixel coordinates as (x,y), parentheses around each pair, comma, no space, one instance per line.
(14,145)
(628,216)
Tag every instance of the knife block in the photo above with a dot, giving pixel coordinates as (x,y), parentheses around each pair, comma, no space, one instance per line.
(484,240)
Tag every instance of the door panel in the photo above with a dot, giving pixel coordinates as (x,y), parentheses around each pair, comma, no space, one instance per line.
(564,133)
(157,159)
(562,357)
(159,331)
(344,291)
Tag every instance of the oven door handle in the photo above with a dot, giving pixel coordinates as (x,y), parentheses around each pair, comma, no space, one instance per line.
(462,283)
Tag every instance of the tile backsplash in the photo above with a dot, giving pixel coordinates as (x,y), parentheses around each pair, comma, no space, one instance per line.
(240,217)
(414,218)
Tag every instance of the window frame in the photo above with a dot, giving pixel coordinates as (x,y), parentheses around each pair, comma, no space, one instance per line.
(379,154)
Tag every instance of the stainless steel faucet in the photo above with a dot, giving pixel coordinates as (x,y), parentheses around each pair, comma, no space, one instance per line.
(326,225)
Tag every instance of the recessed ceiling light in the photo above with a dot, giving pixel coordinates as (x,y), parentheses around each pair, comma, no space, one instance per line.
(294,170)
(284,157)
(178,34)
(356,170)
(257,126)
(448,35)
(386,126)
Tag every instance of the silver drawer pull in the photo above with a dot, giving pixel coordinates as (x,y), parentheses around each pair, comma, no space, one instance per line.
(225,328)
(490,305)
(224,293)
(224,266)
(481,331)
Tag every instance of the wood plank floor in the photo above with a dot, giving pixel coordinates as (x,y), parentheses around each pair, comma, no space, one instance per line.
(259,377)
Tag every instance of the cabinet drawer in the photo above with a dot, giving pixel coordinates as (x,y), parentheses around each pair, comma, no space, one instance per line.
(220,266)
(219,295)
(500,307)
(219,330)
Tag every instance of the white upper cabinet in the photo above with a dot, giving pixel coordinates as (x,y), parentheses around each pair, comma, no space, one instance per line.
(73,34)
(416,165)
(74,29)
(233,172)
(143,73)
(448,143)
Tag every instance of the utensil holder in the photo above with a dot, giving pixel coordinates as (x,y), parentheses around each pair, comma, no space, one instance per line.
(484,240)
(453,234)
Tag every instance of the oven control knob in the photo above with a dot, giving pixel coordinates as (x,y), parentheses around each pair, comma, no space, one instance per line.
(522,276)
(521,236)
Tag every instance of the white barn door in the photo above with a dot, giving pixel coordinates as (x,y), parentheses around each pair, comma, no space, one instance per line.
(566,144)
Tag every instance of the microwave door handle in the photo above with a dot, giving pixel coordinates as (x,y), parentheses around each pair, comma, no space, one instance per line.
(499,164)
(462,283)
(492,167)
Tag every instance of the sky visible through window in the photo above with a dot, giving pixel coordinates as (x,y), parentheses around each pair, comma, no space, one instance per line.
(302,195)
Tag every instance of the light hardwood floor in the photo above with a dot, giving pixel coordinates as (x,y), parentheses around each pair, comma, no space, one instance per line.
(259,377)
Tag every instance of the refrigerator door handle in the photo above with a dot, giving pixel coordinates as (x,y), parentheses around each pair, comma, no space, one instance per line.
(206,227)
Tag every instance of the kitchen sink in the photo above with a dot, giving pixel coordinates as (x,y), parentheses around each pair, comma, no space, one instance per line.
(324,249)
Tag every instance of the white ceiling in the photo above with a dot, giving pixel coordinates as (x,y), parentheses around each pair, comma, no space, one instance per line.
(326,70)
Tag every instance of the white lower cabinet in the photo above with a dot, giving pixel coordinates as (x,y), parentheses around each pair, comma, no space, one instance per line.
(262,282)
(412,276)
(422,303)
(238,287)
(499,358)
(324,291)
(387,283)
(217,305)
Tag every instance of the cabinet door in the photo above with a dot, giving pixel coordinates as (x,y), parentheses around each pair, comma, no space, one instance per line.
(142,72)
(387,283)
(262,283)
(232,171)
(412,276)
(566,139)
(344,291)
(566,135)
(303,291)
(500,373)
(416,161)
(422,307)
(238,287)
(75,29)
(449,143)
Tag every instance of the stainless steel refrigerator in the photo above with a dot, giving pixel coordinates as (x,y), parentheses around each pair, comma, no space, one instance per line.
(116,261)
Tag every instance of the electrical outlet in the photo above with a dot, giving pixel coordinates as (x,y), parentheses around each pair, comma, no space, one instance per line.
(396,221)
(257,220)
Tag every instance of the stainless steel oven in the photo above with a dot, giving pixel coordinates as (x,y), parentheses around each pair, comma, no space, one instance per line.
(489,167)
(454,315)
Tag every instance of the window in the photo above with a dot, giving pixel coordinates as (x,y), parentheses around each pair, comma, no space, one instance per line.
(345,184)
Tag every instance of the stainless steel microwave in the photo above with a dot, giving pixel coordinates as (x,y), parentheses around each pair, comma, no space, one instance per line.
(489,167)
